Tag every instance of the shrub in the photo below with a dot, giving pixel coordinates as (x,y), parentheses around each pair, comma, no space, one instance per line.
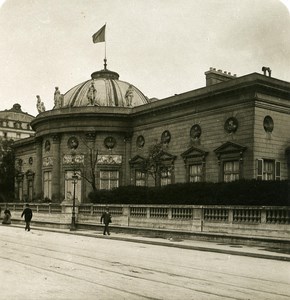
(243,192)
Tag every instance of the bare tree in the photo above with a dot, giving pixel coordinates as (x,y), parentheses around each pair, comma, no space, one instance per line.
(157,162)
(88,171)
(7,167)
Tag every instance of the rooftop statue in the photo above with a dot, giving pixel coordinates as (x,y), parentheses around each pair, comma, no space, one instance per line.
(92,95)
(40,105)
(58,98)
(129,95)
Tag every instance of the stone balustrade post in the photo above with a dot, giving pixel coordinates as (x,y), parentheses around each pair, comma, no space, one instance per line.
(231,216)
(197,215)
(169,213)
(148,212)
(263,216)
(126,214)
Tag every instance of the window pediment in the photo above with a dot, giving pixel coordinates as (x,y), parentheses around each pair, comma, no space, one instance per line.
(30,175)
(136,160)
(194,152)
(165,156)
(230,147)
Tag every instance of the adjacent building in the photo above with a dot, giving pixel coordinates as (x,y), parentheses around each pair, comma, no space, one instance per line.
(15,124)
(233,128)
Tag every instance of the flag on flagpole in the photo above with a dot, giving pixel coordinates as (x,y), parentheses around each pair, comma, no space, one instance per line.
(99,36)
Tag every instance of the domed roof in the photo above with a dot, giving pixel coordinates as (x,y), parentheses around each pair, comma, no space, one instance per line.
(104,89)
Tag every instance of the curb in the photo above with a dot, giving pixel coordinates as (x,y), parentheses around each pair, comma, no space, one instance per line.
(166,244)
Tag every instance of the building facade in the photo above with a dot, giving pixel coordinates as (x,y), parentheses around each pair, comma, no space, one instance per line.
(15,124)
(101,131)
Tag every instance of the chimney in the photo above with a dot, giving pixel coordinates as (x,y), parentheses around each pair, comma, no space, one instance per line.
(214,76)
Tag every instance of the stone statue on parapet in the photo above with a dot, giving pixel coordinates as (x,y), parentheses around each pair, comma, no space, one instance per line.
(267,69)
(129,95)
(92,95)
(40,105)
(58,98)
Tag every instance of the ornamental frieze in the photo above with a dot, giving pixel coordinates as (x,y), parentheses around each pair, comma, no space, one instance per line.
(110,159)
(47,161)
(73,159)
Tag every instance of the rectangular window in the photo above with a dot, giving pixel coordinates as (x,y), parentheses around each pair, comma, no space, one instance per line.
(165,177)
(73,185)
(195,173)
(140,178)
(109,179)
(268,169)
(47,184)
(231,170)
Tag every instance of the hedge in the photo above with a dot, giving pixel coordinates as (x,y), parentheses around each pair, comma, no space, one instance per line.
(243,192)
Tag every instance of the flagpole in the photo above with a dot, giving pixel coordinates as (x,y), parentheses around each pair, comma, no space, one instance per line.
(105,60)
(99,37)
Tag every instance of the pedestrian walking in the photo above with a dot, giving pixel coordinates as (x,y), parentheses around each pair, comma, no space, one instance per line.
(106,218)
(27,213)
(7,217)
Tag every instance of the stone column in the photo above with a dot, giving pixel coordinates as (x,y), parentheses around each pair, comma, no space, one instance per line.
(38,169)
(56,177)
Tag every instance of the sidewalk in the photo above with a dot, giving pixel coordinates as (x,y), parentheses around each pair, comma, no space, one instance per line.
(225,248)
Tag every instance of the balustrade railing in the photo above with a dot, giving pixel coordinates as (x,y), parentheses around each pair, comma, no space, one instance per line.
(86,209)
(247,215)
(182,213)
(216,214)
(138,212)
(278,216)
(37,208)
(158,212)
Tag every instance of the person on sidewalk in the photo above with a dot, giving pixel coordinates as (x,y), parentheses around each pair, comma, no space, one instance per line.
(7,217)
(106,217)
(27,213)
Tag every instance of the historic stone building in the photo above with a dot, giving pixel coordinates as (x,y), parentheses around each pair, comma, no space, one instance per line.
(15,124)
(233,128)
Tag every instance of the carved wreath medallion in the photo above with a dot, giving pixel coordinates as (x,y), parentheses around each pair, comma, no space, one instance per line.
(140,142)
(195,132)
(231,125)
(109,142)
(73,142)
(166,137)
(268,124)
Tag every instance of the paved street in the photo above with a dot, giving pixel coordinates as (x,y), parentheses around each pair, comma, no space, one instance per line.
(50,265)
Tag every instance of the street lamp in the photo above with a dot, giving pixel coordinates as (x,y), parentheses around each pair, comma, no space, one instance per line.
(73,217)
(75,181)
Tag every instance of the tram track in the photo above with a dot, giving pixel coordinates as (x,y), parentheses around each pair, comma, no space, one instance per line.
(137,270)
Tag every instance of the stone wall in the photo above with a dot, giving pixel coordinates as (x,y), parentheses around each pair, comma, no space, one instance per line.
(237,220)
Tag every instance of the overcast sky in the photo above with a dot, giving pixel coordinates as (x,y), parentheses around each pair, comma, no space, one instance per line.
(163,47)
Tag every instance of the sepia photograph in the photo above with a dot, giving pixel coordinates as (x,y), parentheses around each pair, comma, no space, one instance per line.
(145,149)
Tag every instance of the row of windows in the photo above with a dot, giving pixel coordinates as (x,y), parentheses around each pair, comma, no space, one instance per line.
(12,135)
(109,179)
(266,170)
(17,124)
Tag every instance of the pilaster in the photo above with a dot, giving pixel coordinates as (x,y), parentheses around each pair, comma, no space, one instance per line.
(38,172)
(56,177)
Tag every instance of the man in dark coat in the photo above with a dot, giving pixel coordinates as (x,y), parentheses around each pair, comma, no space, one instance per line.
(106,217)
(27,213)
